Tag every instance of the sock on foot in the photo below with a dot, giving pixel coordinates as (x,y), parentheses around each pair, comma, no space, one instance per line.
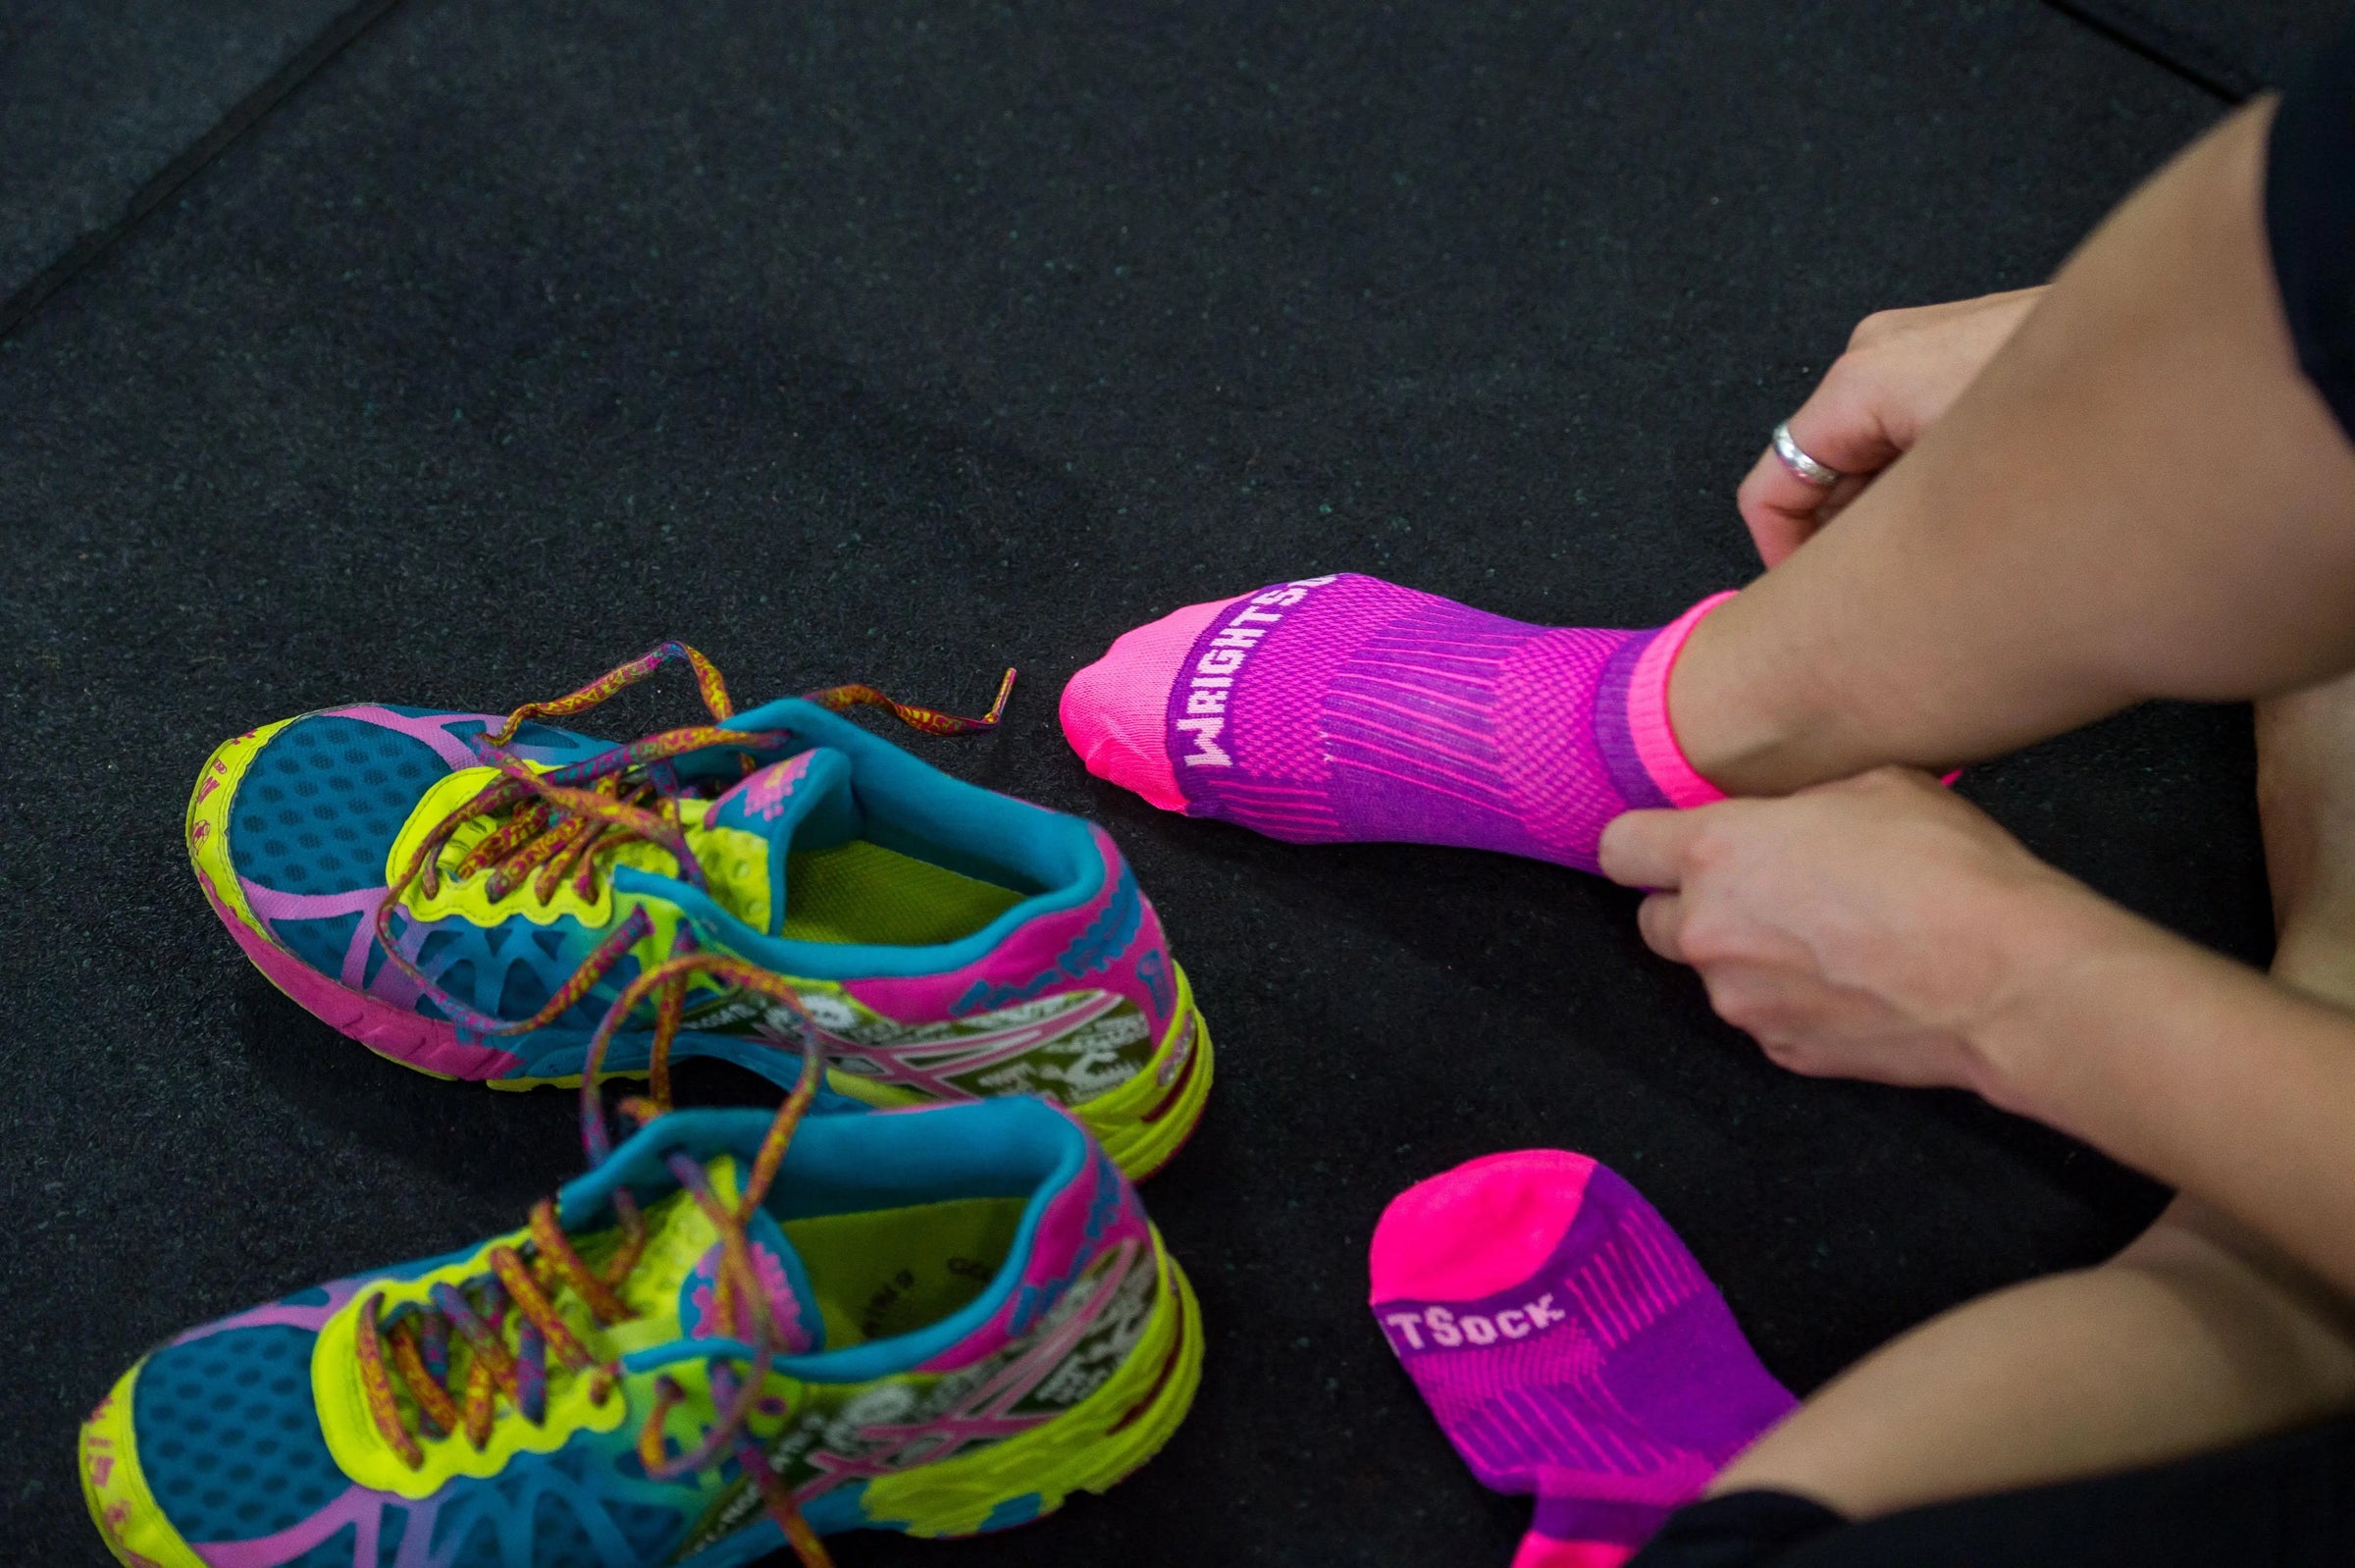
(1569,1347)
(1346,707)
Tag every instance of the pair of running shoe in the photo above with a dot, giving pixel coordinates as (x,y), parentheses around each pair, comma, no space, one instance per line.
(922,1296)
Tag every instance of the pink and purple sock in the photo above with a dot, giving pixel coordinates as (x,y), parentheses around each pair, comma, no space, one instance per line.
(1569,1345)
(1346,707)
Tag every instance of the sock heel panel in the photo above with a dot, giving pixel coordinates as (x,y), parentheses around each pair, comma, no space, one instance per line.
(1482,1228)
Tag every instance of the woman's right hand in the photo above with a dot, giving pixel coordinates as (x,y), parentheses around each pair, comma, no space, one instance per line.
(1902,369)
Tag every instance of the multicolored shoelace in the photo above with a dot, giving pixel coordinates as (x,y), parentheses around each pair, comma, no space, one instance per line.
(408,1351)
(556,822)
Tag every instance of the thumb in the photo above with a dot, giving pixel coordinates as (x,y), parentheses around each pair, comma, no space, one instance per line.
(1647,849)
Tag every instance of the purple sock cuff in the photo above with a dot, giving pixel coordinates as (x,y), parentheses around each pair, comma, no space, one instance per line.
(1651,735)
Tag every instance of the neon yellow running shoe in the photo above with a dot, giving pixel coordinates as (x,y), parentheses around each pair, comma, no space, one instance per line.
(466,895)
(731,1334)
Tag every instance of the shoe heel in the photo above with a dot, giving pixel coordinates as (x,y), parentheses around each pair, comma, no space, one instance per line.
(1146,1121)
(1094,1445)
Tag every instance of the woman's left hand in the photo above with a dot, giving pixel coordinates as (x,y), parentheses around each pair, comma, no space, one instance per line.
(1866,929)
(1902,369)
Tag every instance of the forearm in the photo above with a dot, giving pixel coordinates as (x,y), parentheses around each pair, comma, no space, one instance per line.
(2140,496)
(2187,1066)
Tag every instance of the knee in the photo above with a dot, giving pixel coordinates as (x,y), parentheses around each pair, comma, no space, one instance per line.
(2213,1259)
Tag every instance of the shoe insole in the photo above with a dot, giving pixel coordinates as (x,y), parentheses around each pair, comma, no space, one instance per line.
(860,892)
(894,1270)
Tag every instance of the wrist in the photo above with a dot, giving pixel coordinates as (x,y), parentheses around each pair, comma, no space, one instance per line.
(2059,941)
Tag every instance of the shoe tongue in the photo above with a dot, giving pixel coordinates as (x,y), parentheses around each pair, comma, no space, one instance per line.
(784,1281)
(681,1268)
(803,802)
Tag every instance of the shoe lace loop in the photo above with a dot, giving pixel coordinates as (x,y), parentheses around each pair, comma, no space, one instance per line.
(557,823)
(408,1349)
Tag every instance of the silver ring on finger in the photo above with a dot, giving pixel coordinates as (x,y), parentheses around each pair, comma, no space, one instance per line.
(1823,476)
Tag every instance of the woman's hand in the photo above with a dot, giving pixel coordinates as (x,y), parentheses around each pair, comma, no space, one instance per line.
(1902,369)
(1867,929)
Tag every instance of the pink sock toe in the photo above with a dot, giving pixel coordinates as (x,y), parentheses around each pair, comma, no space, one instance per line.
(1474,1230)
(1113,710)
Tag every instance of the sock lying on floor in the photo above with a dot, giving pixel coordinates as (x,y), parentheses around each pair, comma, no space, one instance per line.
(1346,707)
(1569,1345)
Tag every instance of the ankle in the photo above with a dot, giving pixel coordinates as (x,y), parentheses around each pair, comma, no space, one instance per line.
(1650,731)
(1739,724)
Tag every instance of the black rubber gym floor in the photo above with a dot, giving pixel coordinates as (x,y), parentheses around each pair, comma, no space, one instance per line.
(896,343)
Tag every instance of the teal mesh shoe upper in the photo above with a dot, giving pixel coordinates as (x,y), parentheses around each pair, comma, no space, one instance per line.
(319,804)
(229,1436)
(228,1439)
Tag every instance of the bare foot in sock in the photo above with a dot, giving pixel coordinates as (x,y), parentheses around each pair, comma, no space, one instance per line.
(1344,708)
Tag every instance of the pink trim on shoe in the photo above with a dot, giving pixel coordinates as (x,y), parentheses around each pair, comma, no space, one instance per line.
(431,1045)
(1114,711)
(1543,1552)
(279,1315)
(270,903)
(1482,1228)
(358,1509)
(434,732)
(1648,712)
(270,906)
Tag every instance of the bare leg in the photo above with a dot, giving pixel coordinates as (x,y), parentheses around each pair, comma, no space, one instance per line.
(2306,800)
(2198,1335)
(2139,496)
(2193,1338)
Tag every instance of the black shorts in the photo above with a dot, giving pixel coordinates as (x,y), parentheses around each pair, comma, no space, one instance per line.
(2310,222)
(2284,1502)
